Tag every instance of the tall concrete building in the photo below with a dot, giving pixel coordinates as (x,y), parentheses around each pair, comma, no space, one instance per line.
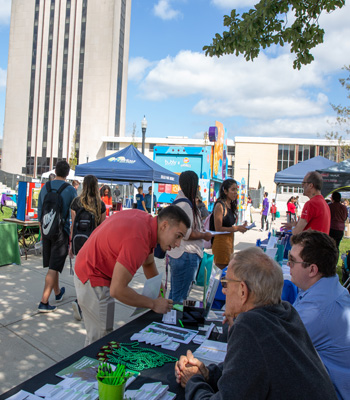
(66,81)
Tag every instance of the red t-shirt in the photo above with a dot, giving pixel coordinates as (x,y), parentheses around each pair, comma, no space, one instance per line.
(317,215)
(291,207)
(128,237)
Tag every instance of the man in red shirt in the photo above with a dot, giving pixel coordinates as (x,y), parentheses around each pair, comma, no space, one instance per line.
(110,258)
(315,214)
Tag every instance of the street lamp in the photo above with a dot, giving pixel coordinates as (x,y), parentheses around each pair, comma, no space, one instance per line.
(87,157)
(144,127)
(248,177)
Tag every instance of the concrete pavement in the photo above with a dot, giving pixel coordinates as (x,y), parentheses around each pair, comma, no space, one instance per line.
(30,342)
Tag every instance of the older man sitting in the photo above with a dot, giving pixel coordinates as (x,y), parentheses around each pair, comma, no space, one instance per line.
(269,354)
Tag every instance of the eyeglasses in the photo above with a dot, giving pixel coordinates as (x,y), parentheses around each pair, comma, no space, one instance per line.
(225,281)
(291,262)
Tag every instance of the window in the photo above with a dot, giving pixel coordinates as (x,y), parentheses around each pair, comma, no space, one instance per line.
(231,150)
(329,152)
(286,155)
(305,152)
(112,146)
(230,171)
(151,147)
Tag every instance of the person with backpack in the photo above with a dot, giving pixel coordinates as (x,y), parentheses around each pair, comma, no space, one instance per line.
(223,219)
(53,214)
(184,260)
(88,211)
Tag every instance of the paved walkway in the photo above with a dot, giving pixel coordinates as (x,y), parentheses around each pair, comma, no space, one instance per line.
(30,341)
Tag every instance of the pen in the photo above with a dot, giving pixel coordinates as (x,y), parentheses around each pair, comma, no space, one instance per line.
(180,322)
(162,292)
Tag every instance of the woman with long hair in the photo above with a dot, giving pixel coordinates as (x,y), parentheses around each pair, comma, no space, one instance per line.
(106,195)
(90,201)
(223,219)
(184,260)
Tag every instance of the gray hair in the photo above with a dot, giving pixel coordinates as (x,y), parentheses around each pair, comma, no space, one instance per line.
(316,179)
(262,275)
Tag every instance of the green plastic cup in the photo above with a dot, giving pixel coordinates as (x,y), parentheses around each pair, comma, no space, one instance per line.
(110,392)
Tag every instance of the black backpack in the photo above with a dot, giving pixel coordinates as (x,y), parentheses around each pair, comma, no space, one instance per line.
(52,220)
(84,224)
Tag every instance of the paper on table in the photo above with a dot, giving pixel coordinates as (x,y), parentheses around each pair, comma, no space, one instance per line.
(214,233)
(23,395)
(211,352)
(150,289)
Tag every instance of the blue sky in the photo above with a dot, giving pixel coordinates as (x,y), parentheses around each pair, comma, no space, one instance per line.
(182,92)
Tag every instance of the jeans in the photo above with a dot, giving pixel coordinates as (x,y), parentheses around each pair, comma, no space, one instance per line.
(264,219)
(183,273)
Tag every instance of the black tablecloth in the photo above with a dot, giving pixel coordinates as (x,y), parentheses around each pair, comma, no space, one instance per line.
(164,374)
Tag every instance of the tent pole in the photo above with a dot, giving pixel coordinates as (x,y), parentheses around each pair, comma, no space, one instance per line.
(152,198)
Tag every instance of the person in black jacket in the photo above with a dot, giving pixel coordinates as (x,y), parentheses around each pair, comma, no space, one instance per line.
(269,354)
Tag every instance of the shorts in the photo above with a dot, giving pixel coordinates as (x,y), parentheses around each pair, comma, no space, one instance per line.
(55,252)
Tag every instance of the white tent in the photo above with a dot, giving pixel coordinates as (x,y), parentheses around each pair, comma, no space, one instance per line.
(70,177)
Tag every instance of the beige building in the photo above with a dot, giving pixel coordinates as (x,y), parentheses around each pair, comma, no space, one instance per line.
(258,157)
(66,81)
(263,157)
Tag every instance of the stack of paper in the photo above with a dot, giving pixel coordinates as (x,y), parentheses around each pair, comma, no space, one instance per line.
(155,339)
(211,352)
(150,391)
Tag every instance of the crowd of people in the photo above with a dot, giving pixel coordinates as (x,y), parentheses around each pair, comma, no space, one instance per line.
(275,349)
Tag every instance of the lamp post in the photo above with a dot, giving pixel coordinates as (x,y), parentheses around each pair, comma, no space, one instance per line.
(144,127)
(87,157)
(248,177)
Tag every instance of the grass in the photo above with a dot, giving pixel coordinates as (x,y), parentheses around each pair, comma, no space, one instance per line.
(343,247)
(7,213)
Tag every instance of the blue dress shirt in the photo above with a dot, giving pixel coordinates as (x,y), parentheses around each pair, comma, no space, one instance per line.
(325,310)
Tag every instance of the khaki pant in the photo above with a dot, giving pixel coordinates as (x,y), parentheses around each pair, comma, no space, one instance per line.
(97,307)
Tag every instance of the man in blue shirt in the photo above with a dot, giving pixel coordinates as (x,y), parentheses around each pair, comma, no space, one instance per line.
(55,250)
(140,200)
(322,303)
(148,201)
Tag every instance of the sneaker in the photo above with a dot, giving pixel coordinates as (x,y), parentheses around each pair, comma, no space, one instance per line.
(46,308)
(59,297)
(77,311)
(261,230)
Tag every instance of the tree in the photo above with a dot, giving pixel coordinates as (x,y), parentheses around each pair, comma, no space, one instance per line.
(342,123)
(267,24)
(73,155)
(133,135)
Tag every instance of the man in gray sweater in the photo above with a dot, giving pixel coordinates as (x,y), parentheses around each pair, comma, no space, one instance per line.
(269,354)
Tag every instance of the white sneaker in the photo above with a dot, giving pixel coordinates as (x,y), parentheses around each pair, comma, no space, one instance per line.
(77,311)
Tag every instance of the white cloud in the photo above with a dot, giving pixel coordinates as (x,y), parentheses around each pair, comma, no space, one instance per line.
(230,86)
(2,79)
(296,127)
(234,4)
(137,68)
(5,12)
(164,10)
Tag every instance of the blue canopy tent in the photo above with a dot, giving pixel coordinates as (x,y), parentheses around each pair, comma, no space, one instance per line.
(127,165)
(336,178)
(294,175)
